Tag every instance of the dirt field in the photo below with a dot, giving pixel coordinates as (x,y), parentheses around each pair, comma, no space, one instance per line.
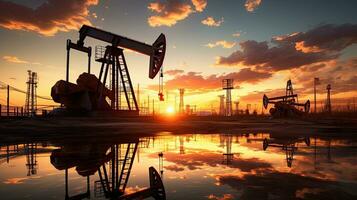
(12,129)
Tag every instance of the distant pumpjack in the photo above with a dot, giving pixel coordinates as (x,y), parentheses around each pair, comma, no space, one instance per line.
(286,106)
(221,105)
(328,99)
(181,104)
(227,84)
(31,94)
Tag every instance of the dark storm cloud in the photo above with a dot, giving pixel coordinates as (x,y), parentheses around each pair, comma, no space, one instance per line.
(47,19)
(295,50)
(281,57)
(326,37)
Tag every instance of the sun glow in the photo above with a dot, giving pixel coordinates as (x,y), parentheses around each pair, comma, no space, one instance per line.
(170,110)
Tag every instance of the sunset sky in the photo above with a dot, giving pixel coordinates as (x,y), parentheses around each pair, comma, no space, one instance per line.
(258,43)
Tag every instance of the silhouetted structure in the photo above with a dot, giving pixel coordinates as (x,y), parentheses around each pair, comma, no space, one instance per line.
(181,104)
(228,155)
(286,144)
(31,158)
(328,99)
(316,82)
(286,106)
(31,94)
(227,84)
(113,61)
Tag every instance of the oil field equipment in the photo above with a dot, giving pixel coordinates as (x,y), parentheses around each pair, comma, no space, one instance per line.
(289,145)
(90,93)
(288,105)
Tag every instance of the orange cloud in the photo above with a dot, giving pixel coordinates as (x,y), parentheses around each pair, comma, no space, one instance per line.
(251,5)
(222,43)
(15,181)
(195,81)
(174,72)
(210,21)
(300,46)
(14,59)
(47,19)
(200,5)
(224,197)
(169,13)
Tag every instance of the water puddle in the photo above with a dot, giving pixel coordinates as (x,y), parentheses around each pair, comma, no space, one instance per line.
(192,166)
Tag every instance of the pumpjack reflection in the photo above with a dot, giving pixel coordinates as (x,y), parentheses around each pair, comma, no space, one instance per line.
(112,162)
(289,145)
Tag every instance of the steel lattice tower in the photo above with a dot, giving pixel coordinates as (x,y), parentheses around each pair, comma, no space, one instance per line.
(227,85)
(31,94)
(181,105)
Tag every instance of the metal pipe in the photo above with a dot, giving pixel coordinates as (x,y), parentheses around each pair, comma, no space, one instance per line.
(283,97)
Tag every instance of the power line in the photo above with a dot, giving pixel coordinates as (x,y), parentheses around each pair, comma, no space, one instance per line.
(3,86)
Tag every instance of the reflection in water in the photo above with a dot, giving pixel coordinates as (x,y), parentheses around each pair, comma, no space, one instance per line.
(285,168)
(289,145)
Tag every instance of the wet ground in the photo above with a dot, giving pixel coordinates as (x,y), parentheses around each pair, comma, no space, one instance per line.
(255,165)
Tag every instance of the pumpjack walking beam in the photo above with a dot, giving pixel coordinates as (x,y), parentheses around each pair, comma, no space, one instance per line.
(156,51)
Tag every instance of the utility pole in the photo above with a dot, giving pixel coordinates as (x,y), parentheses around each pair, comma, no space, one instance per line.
(181,105)
(328,99)
(316,82)
(148,105)
(8,100)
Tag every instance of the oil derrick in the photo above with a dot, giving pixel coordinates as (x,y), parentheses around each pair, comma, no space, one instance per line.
(227,84)
(181,104)
(31,158)
(221,105)
(328,99)
(31,94)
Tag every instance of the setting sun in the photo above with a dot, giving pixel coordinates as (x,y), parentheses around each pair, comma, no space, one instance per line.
(170,110)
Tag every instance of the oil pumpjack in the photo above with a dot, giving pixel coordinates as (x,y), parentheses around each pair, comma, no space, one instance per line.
(90,93)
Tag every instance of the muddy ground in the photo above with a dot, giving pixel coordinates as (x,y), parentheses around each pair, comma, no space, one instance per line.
(37,128)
